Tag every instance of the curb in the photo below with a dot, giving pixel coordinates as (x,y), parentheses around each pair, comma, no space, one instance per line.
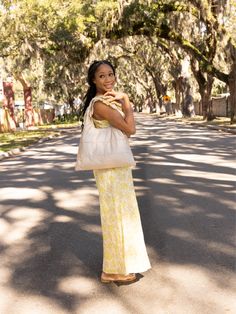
(211,127)
(11,153)
(215,127)
(17,151)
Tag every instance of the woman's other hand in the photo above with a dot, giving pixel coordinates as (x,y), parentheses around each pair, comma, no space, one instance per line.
(123,97)
(116,95)
(104,112)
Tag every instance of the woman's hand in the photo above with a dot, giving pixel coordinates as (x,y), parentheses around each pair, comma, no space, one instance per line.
(126,124)
(117,95)
(123,98)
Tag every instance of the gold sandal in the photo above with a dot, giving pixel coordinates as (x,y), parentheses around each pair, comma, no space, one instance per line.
(108,278)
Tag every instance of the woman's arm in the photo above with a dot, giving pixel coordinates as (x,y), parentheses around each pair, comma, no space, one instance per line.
(129,115)
(104,112)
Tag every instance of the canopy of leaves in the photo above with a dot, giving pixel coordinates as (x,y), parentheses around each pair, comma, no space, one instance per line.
(50,41)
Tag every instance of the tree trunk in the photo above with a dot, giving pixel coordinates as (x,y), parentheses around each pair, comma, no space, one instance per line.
(159,102)
(29,116)
(205,92)
(177,96)
(188,106)
(9,100)
(160,92)
(206,106)
(178,86)
(205,82)
(71,104)
(152,104)
(205,99)
(27,90)
(232,90)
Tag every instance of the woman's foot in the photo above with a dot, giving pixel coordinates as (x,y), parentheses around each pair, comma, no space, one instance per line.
(107,278)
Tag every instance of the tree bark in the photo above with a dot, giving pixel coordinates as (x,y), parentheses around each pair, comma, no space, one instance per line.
(187,103)
(205,92)
(178,87)
(29,116)
(232,81)
(138,27)
(9,100)
(232,98)
(205,83)
(27,90)
(71,104)
(160,88)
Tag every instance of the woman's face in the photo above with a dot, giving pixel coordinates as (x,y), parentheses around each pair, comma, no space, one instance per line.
(104,79)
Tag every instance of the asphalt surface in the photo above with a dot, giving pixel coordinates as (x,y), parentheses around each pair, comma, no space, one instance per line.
(50,234)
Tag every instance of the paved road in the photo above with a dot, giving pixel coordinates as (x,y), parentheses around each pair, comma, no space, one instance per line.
(50,235)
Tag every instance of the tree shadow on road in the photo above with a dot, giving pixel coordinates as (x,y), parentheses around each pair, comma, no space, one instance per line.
(191,180)
(50,214)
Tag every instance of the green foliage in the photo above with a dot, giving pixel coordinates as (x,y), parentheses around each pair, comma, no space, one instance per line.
(67,119)
(46,39)
(9,141)
(51,41)
(177,21)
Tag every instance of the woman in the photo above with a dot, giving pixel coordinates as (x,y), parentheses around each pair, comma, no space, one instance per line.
(124,251)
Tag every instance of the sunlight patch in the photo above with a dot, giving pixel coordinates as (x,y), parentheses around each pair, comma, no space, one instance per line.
(63,218)
(212,245)
(23,219)
(177,164)
(170,199)
(91,228)
(27,303)
(104,305)
(195,192)
(12,193)
(82,200)
(205,175)
(78,285)
(165,181)
(203,158)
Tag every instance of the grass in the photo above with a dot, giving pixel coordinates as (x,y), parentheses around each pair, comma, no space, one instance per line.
(19,139)
(58,125)
(219,121)
(23,138)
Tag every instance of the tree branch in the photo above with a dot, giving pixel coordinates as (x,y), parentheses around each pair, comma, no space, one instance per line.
(139,19)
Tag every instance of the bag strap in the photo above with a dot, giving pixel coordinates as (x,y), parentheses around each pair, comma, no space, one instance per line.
(104,99)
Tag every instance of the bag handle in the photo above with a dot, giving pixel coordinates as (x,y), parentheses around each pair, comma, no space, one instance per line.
(104,99)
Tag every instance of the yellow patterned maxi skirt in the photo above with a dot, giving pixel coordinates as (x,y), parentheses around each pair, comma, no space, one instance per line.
(124,249)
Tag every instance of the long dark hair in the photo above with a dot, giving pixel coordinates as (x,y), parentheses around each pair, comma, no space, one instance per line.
(91,92)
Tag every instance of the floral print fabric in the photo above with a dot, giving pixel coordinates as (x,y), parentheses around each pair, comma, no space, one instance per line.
(124,249)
